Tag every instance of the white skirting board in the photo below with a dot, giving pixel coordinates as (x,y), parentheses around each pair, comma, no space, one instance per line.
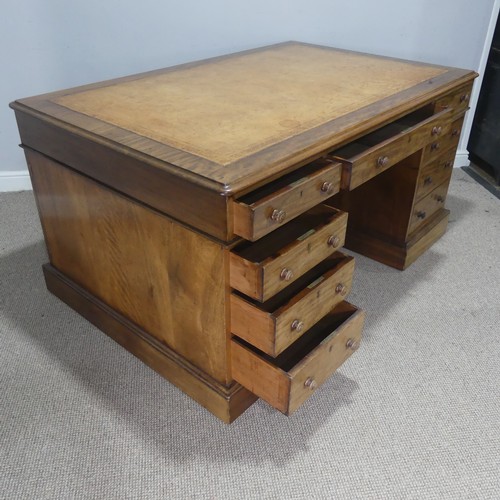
(19,180)
(461,159)
(15,180)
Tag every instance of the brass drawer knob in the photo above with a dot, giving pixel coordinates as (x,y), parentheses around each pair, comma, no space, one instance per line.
(421,214)
(464,97)
(333,241)
(297,325)
(327,187)
(455,132)
(341,288)
(436,130)
(434,146)
(440,199)
(310,383)
(428,180)
(352,344)
(278,216)
(382,161)
(286,274)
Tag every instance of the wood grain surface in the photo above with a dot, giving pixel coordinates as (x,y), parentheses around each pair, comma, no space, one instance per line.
(160,275)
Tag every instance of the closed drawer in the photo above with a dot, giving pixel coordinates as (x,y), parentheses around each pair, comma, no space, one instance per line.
(275,324)
(457,101)
(372,154)
(435,173)
(287,381)
(446,140)
(263,268)
(423,210)
(267,208)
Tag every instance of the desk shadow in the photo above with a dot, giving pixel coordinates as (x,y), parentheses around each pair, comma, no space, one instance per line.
(124,387)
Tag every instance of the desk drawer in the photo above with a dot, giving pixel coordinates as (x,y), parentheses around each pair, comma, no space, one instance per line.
(447,140)
(263,268)
(435,173)
(423,210)
(457,101)
(267,208)
(275,324)
(287,381)
(372,154)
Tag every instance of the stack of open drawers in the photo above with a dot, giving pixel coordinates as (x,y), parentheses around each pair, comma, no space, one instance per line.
(291,324)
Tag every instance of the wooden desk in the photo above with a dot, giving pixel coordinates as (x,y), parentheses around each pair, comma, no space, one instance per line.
(196,214)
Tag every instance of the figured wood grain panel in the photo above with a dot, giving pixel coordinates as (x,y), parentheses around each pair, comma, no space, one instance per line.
(226,402)
(227,109)
(165,278)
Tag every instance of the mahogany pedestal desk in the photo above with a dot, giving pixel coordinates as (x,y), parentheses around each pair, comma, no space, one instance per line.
(196,214)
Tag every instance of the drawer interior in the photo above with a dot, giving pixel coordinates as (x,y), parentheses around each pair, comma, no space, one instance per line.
(359,146)
(299,228)
(296,353)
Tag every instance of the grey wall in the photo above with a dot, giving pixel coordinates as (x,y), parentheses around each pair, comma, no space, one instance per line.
(52,44)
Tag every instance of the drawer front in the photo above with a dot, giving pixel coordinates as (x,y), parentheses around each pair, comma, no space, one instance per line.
(287,381)
(458,100)
(274,325)
(429,205)
(266,267)
(266,209)
(447,140)
(433,174)
(372,161)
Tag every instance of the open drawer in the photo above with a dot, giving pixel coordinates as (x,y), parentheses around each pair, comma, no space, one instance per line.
(265,209)
(263,268)
(287,381)
(275,324)
(371,154)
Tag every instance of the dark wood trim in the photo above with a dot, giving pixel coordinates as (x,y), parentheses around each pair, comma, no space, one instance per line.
(227,403)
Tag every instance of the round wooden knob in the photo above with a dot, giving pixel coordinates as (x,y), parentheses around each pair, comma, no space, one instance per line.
(352,344)
(421,214)
(341,288)
(448,164)
(333,241)
(297,325)
(464,97)
(428,180)
(327,187)
(286,274)
(382,161)
(455,132)
(310,383)
(278,216)
(434,146)
(436,130)
(440,199)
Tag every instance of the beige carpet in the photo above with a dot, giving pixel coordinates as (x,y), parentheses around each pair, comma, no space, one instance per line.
(414,414)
